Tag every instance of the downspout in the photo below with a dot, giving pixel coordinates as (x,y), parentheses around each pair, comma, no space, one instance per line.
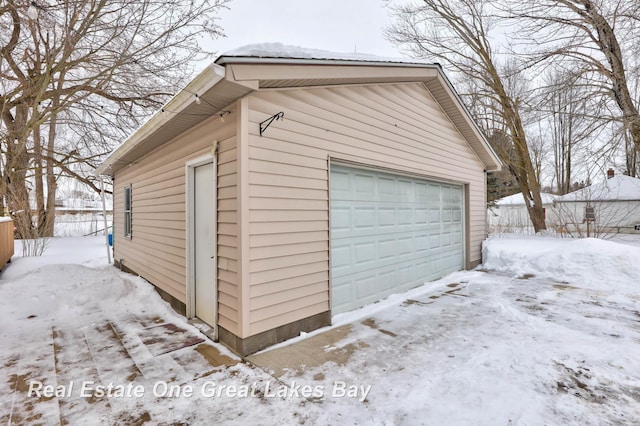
(104,217)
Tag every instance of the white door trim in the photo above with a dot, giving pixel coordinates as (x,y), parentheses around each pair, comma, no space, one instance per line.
(190,167)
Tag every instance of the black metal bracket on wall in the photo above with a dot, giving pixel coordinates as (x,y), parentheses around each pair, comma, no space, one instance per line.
(266,123)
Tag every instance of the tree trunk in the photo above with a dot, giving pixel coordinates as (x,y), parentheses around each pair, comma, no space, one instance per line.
(38,176)
(609,46)
(18,197)
(631,157)
(52,183)
(522,168)
(16,164)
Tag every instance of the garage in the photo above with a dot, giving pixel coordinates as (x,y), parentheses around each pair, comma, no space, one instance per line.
(373,183)
(390,233)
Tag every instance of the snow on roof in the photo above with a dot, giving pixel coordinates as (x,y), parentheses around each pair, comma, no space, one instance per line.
(284,51)
(518,199)
(5,219)
(617,188)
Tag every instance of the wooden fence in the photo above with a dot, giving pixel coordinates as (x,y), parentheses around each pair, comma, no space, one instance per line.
(6,241)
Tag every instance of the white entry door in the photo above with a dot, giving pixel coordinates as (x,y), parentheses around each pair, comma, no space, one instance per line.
(205,243)
(390,233)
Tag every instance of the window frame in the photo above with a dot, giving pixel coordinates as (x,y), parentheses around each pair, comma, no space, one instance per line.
(128,200)
(589,213)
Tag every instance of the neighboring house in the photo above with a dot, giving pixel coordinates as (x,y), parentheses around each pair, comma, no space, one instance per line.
(274,192)
(510,214)
(612,206)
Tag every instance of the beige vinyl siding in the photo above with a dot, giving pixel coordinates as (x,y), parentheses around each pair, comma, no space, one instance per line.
(398,127)
(228,235)
(157,248)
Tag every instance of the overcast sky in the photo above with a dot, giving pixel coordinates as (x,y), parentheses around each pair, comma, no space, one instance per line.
(335,25)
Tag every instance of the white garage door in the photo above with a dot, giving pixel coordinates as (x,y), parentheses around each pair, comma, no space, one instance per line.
(390,233)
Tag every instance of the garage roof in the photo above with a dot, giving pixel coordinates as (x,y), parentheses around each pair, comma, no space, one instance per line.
(238,73)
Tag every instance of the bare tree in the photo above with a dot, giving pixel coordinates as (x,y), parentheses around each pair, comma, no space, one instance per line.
(502,183)
(77,78)
(459,33)
(570,113)
(597,37)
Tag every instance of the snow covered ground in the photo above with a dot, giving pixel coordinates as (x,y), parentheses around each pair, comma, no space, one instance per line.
(546,331)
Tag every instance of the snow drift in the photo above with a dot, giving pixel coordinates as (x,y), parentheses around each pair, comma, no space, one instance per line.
(589,262)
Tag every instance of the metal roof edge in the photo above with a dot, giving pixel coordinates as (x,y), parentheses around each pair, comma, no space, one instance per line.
(391,62)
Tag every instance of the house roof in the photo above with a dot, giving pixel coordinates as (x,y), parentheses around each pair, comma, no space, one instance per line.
(617,188)
(267,66)
(284,53)
(518,199)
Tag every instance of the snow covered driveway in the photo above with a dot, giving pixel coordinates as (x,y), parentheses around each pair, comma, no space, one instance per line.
(492,349)
(83,343)
(547,332)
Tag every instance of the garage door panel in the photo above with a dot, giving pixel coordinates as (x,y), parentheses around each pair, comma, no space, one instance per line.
(381,265)
(405,216)
(340,186)
(406,274)
(341,295)
(386,189)
(457,237)
(421,216)
(405,191)
(390,233)
(357,217)
(446,239)
(422,267)
(390,250)
(365,253)
(340,257)
(364,184)
(386,248)
(386,217)
(367,285)
(451,261)
(421,192)
(422,243)
(365,217)
(379,234)
(434,216)
(340,218)
(405,245)
(363,286)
